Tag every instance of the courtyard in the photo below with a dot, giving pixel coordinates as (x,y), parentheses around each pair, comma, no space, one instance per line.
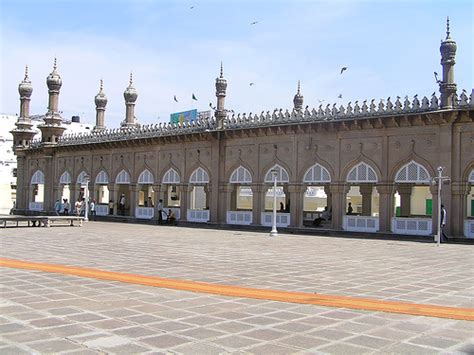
(44,312)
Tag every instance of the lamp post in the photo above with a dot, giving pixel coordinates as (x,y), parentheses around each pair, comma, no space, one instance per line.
(274,231)
(86,198)
(439,180)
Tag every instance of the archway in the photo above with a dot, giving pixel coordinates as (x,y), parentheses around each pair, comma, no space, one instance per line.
(172,192)
(37,191)
(122,189)
(317,209)
(102,194)
(362,200)
(281,191)
(198,196)
(64,191)
(240,197)
(413,201)
(145,205)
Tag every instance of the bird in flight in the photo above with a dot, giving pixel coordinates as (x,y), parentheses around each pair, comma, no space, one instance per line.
(436,77)
(251,84)
(343,69)
(254,22)
(192,7)
(339,96)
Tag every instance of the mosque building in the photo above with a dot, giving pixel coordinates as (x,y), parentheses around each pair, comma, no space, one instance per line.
(381,159)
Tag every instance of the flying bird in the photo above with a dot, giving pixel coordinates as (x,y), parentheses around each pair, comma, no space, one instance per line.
(192,7)
(252,84)
(254,22)
(343,69)
(339,96)
(175,99)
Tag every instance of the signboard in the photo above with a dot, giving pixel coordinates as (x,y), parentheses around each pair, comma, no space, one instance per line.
(186,116)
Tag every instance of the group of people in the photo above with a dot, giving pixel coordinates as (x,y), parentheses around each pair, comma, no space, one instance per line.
(170,216)
(63,208)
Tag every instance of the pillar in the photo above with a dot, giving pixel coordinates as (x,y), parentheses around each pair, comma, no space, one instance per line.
(327,191)
(257,205)
(133,188)
(186,192)
(228,194)
(338,193)
(386,206)
(458,213)
(113,195)
(366,192)
(296,205)
(404,191)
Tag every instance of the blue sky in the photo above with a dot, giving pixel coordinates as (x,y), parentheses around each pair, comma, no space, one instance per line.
(390,48)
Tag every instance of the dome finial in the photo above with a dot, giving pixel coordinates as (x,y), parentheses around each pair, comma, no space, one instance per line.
(26,73)
(101,84)
(54,64)
(131,78)
(222,70)
(298,92)
(447,27)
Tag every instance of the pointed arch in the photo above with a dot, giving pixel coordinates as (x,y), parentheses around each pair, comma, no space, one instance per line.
(413,172)
(146,177)
(37,178)
(317,174)
(171,177)
(65,178)
(102,178)
(81,178)
(282,174)
(199,176)
(471,176)
(362,173)
(123,177)
(241,175)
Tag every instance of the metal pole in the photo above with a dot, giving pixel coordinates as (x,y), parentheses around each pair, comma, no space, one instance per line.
(440,181)
(86,196)
(274,231)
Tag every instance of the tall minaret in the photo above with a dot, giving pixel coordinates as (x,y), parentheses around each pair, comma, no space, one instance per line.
(221,86)
(130,95)
(51,130)
(447,87)
(23,133)
(298,100)
(100,103)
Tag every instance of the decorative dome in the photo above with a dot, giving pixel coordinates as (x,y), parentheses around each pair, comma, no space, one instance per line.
(448,46)
(221,83)
(298,99)
(25,88)
(100,98)
(53,80)
(130,94)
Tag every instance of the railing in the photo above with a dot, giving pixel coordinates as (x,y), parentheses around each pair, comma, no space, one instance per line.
(144,212)
(360,224)
(469,228)
(36,206)
(412,226)
(239,217)
(198,216)
(282,219)
(102,210)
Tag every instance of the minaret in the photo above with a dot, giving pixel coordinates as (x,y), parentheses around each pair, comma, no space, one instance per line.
(51,130)
(221,86)
(23,133)
(447,87)
(130,95)
(100,103)
(298,100)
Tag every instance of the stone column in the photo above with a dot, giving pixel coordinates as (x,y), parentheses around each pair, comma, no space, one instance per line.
(228,196)
(338,192)
(405,199)
(113,195)
(133,188)
(327,191)
(455,221)
(296,204)
(386,206)
(257,202)
(22,185)
(186,190)
(366,192)
(210,205)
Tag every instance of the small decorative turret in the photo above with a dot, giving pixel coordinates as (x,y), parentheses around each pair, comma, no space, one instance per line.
(130,95)
(100,103)
(23,133)
(447,86)
(298,100)
(221,87)
(51,130)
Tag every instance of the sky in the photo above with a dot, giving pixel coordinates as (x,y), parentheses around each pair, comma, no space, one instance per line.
(391,48)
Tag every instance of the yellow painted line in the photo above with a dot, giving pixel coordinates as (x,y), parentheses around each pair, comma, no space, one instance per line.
(366,304)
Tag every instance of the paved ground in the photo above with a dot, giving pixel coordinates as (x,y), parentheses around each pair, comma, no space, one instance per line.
(51,313)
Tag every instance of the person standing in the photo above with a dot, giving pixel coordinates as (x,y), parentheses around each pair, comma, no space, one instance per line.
(443,236)
(350,209)
(92,210)
(57,207)
(159,207)
(77,208)
(122,205)
(111,207)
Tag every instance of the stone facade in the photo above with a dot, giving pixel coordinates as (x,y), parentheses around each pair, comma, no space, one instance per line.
(384,149)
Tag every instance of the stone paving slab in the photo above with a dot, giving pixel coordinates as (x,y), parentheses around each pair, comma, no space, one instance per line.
(111,317)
